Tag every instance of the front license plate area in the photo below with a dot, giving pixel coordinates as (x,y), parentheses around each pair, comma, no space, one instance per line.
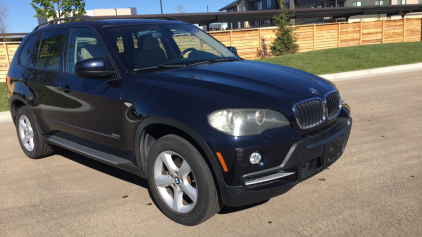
(333,151)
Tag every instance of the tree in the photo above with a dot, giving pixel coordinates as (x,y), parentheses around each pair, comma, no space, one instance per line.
(180,9)
(65,8)
(4,23)
(285,43)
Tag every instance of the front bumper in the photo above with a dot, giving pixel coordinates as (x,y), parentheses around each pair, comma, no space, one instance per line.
(305,158)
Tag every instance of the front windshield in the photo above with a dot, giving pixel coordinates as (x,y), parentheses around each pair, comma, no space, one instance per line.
(148,46)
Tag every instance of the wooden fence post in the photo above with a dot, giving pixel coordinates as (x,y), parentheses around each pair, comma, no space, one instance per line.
(382,37)
(231,39)
(314,37)
(260,39)
(7,54)
(404,29)
(338,36)
(360,37)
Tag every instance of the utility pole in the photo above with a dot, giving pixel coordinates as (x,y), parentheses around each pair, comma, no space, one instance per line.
(161,4)
(207,8)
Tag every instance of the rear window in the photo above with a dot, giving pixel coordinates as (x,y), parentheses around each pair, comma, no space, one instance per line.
(50,49)
(26,51)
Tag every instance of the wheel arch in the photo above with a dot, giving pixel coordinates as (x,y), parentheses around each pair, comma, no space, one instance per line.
(17,102)
(161,126)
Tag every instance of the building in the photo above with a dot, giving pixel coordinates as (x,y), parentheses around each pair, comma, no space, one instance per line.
(104,12)
(257,5)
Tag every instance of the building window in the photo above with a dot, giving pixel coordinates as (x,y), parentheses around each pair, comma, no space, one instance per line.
(401,2)
(241,8)
(379,3)
(268,4)
(358,4)
(260,5)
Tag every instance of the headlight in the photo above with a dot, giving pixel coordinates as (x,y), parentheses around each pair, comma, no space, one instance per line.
(246,122)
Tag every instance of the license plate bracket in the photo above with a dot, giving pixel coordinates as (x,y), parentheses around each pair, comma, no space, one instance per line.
(333,151)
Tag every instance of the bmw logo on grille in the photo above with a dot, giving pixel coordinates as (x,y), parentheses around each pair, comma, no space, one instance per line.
(313,90)
(176,180)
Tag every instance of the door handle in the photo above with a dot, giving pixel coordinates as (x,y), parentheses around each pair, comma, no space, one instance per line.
(65,89)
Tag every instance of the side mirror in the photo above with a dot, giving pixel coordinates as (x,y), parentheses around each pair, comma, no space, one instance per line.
(232,49)
(92,68)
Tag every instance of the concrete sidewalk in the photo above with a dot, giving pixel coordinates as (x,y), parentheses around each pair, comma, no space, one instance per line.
(373,72)
(5,117)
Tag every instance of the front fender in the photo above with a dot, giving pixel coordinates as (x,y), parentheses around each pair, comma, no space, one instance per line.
(156,120)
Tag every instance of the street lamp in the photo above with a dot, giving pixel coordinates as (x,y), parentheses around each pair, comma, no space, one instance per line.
(161,4)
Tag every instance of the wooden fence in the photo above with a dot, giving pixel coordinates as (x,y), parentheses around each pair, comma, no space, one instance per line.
(7,51)
(325,36)
(310,37)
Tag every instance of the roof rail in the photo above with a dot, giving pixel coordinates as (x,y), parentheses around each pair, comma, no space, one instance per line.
(162,18)
(85,18)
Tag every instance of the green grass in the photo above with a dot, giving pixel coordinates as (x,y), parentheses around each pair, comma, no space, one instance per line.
(4,102)
(352,58)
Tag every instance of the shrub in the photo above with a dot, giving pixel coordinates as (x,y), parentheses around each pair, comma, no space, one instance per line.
(285,43)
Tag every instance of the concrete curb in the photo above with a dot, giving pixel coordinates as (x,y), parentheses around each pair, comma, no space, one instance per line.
(373,72)
(5,117)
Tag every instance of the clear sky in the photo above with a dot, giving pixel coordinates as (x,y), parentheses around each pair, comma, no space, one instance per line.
(22,21)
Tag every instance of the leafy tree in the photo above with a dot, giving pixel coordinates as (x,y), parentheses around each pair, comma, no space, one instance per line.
(285,43)
(65,8)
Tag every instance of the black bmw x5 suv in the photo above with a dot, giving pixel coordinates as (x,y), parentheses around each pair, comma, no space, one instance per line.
(165,101)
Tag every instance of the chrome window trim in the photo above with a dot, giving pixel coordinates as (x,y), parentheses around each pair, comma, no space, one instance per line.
(324,112)
(326,106)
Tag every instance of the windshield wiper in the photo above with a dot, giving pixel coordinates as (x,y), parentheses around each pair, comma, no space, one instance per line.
(161,66)
(214,60)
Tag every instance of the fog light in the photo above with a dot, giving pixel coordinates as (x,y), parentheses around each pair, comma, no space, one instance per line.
(255,158)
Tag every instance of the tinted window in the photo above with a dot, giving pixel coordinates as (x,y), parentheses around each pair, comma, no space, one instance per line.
(50,49)
(33,59)
(84,44)
(26,51)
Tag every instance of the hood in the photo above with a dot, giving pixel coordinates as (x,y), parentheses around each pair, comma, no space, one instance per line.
(272,86)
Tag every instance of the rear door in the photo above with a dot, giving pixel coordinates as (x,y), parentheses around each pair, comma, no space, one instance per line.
(93,110)
(43,76)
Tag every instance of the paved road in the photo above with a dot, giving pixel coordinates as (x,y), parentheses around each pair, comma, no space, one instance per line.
(375,189)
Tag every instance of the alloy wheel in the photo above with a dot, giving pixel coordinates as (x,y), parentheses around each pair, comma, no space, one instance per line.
(175,182)
(26,133)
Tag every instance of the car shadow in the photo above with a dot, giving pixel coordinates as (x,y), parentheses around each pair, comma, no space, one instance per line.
(131,178)
(228,210)
(104,168)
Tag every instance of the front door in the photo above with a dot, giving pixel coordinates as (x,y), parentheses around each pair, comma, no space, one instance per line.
(94,108)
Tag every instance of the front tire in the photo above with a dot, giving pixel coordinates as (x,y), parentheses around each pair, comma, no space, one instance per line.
(180,181)
(29,135)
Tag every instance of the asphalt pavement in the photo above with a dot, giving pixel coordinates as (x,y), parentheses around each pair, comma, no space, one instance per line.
(374,189)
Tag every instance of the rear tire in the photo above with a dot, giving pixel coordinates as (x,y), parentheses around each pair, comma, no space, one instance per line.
(181,182)
(29,135)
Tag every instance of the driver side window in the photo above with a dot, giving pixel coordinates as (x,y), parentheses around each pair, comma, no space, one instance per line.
(85,44)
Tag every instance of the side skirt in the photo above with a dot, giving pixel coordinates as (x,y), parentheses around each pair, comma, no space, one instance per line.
(120,159)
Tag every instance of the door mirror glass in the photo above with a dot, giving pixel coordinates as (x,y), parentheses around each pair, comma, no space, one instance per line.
(92,68)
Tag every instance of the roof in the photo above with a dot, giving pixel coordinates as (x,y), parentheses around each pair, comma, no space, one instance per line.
(214,17)
(231,5)
(13,36)
(335,12)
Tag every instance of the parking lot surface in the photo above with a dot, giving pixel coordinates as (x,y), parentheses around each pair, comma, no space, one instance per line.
(374,189)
